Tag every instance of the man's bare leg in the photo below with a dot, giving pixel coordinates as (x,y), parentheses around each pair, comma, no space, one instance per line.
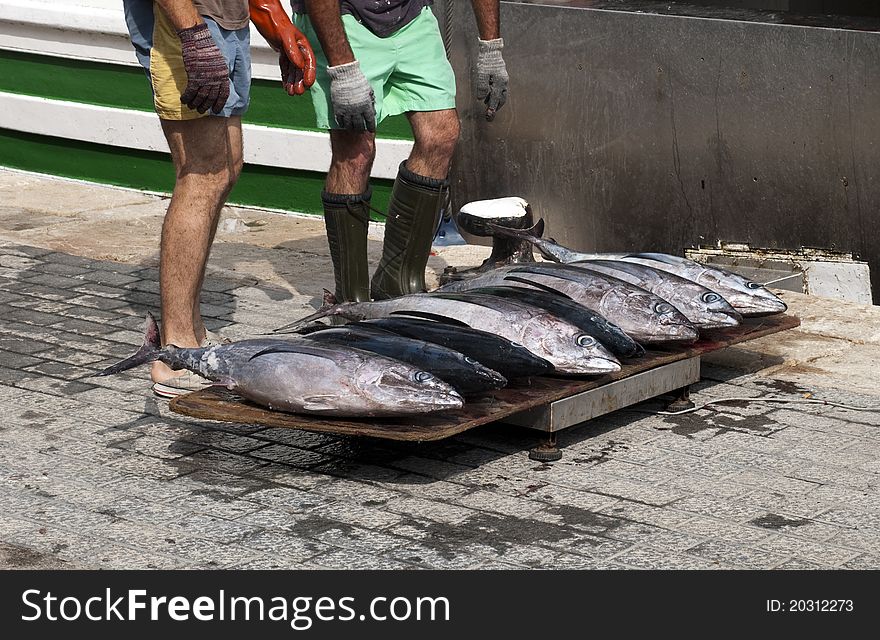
(436,134)
(353,155)
(236,162)
(205,173)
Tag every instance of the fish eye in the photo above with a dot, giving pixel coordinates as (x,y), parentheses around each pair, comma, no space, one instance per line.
(423,376)
(663,308)
(584,340)
(711,297)
(753,285)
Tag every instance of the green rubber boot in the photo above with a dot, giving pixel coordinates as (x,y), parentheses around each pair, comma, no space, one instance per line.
(347,218)
(413,216)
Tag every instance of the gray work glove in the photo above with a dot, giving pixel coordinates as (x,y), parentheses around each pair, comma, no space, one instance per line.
(492,78)
(207,76)
(352,97)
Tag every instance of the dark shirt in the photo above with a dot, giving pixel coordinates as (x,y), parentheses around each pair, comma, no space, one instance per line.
(229,14)
(382,17)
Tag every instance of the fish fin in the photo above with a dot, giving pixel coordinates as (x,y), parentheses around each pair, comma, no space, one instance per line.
(313,328)
(665,258)
(306,349)
(538,229)
(539,286)
(148,352)
(532,233)
(319,403)
(329,308)
(430,316)
(225,382)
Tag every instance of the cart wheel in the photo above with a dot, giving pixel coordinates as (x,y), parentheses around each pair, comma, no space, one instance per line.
(682,400)
(546,451)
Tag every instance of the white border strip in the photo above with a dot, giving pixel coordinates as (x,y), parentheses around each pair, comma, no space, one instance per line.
(285,148)
(91,30)
(375,229)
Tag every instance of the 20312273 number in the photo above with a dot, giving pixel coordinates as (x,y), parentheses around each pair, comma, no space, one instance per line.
(810,606)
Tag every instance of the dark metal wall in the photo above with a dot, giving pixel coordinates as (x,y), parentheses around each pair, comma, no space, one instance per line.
(830,7)
(642,131)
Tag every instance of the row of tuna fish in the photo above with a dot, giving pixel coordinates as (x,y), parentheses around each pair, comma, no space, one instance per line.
(426,352)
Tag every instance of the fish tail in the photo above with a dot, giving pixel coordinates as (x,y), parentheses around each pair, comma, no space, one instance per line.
(531,234)
(537,229)
(148,352)
(329,308)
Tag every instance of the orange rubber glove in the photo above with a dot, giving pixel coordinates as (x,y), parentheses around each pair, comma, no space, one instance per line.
(297,60)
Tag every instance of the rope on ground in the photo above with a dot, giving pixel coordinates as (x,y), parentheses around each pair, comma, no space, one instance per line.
(799,274)
(768,399)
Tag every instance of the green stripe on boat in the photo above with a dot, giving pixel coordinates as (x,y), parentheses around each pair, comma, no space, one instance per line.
(272,187)
(124,87)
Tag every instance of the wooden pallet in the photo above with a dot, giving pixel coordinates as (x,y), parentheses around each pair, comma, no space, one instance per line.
(520,397)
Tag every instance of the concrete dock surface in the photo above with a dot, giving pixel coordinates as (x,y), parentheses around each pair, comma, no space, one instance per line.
(99,473)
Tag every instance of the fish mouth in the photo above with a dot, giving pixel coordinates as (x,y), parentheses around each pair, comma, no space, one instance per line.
(449,401)
(680,331)
(426,403)
(604,365)
(766,308)
(591,367)
(764,303)
(720,321)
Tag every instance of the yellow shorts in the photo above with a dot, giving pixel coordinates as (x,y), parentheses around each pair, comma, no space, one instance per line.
(158,50)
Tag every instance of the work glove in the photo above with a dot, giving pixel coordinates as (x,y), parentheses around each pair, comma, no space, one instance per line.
(207,75)
(296,59)
(492,78)
(352,97)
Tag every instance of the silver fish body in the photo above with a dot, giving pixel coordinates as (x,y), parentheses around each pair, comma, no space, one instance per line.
(748,298)
(299,376)
(705,308)
(334,381)
(562,344)
(590,322)
(465,374)
(510,359)
(643,316)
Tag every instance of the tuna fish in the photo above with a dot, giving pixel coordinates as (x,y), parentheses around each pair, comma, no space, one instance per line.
(748,298)
(300,376)
(566,347)
(703,307)
(643,316)
(510,359)
(465,374)
(588,321)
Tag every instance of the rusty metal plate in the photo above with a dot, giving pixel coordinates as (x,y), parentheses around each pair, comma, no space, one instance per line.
(219,404)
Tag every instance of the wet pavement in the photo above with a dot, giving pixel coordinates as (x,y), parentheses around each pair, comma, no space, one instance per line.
(98,473)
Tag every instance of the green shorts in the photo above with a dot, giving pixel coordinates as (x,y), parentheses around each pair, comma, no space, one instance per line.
(408,70)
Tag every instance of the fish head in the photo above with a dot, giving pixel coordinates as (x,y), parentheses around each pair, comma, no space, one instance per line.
(753,299)
(518,356)
(405,387)
(672,322)
(748,298)
(572,350)
(655,319)
(714,311)
(490,375)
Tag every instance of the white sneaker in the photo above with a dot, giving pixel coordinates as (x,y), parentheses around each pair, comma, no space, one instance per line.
(184,382)
(214,339)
